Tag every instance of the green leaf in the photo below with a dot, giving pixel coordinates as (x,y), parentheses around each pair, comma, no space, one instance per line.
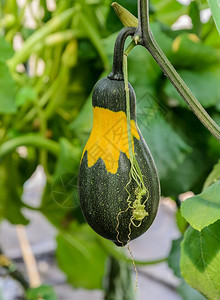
(68,160)
(11,192)
(6,50)
(215,8)
(24,95)
(7,84)
(174,257)
(7,90)
(81,257)
(168,11)
(161,138)
(204,86)
(194,14)
(200,260)
(51,207)
(44,292)
(187,292)
(181,222)
(213,176)
(60,201)
(189,52)
(206,205)
(186,175)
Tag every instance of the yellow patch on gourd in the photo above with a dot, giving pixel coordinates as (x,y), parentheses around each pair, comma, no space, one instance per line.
(109,137)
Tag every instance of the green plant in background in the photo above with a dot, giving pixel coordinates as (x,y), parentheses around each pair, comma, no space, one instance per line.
(47,111)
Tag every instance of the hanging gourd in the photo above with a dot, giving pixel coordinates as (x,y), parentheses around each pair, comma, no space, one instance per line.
(118,182)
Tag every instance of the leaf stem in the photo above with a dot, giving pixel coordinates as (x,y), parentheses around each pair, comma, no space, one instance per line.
(34,140)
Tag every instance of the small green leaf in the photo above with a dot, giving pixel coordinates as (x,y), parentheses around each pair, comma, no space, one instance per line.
(215,8)
(68,160)
(174,257)
(194,14)
(7,91)
(203,209)
(25,94)
(181,222)
(168,11)
(81,257)
(6,50)
(200,260)
(11,192)
(43,292)
(213,176)
(7,84)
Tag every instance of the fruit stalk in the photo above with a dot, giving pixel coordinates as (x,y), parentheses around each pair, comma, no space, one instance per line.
(147,40)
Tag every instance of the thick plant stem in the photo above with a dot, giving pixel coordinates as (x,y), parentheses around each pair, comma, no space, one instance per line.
(143,19)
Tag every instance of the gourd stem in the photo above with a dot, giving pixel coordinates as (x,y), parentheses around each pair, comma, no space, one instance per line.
(117,70)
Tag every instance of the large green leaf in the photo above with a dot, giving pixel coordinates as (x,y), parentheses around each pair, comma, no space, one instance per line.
(161,138)
(186,176)
(81,257)
(203,209)
(186,291)
(213,176)
(200,260)
(204,85)
(190,53)
(215,8)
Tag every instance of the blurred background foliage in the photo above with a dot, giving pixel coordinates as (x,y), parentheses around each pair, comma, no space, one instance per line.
(50,58)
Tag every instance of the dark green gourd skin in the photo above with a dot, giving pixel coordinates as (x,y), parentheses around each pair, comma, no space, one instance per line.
(103,194)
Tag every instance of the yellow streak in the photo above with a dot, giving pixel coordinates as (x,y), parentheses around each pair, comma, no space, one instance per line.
(108,137)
